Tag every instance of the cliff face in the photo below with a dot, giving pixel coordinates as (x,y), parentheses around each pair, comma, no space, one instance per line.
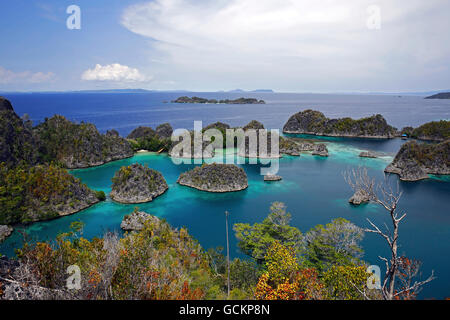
(315,122)
(16,139)
(78,145)
(164,130)
(215,178)
(137,184)
(141,132)
(415,161)
(41,192)
(152,140)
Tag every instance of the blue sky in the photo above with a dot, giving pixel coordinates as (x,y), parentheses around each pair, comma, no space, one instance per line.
(208,45)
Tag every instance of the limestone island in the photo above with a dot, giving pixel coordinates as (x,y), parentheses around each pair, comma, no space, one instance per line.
(415,161)
(294,146)
(137,220)
(441,95)
(79,145)
(360,196)
(272,177)
(186,99)
(367,154)
(215,178)
(315,123)
(34,186)
(137,184)
(432,131)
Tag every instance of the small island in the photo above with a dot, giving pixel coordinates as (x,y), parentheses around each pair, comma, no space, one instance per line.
(359,197)
(294,146)
(415,161)
(315,123)
(272,177)
(441,95)
(367,154)
(186,99)
(215,178)
(137,184)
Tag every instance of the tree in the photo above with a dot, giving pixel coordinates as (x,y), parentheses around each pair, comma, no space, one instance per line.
(285,280)
(336,243)
(256,239)
(347,282)
(388,199)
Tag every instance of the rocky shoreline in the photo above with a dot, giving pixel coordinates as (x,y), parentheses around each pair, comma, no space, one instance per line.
(216,178)
(416,161)
(137,184)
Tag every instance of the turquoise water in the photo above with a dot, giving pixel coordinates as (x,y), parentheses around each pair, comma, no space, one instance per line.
(313,188)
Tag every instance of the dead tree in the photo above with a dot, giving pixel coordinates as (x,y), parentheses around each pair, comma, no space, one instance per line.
(384,195)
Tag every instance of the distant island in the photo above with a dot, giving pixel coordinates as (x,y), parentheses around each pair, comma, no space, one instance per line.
(186,99)
(442,95)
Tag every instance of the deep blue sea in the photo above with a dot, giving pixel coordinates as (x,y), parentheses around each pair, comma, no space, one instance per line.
(313,188)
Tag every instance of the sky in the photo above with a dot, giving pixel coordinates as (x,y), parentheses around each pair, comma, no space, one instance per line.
(210,45)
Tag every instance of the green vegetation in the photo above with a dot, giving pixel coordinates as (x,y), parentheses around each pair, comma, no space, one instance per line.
(256,239)
(315,122)
(100,195)
(156,263)
(30,193)
(77,145)
(215,178)
(150,143)
(16,139)
(136,184)
(435,130)
(425,154)
(160,262)
(148,139)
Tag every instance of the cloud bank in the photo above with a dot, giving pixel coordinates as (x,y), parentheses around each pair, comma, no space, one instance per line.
(113,72)
(11,77)
(303,44)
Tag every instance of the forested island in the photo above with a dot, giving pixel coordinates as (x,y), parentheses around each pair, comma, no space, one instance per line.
(137,184)
(315,123)
(186,99)
(215,178)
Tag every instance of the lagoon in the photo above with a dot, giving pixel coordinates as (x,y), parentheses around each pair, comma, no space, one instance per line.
(313,188)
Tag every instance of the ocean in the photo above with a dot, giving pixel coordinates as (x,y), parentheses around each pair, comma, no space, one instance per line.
(313,188)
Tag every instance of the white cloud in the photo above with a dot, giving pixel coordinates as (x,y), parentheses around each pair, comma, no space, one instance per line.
(114,72)
(11,77)
(304,43)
